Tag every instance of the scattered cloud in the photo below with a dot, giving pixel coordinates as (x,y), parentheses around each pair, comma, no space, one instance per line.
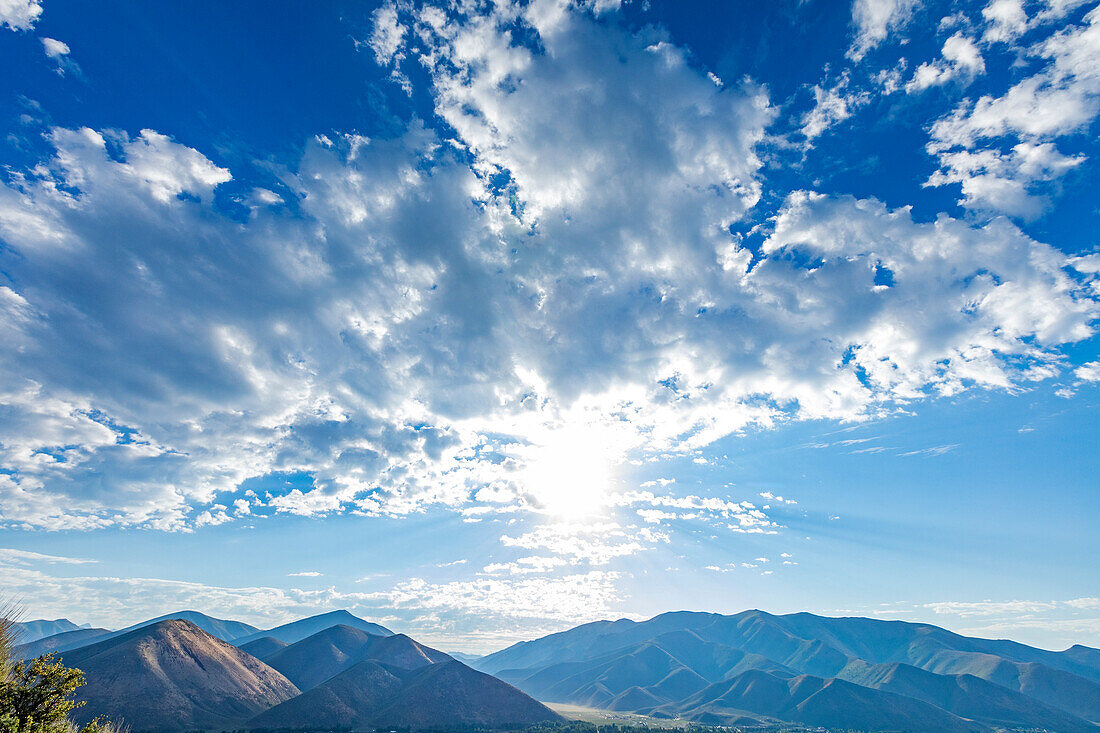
(832,106)
(1058,100)
(936,450)
(998,608)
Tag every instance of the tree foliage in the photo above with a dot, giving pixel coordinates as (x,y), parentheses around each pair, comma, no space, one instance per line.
(38,697)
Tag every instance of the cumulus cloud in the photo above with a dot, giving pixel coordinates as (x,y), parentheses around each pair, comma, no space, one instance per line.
(436,316)
(1088,372)
(961,59)
(19,15)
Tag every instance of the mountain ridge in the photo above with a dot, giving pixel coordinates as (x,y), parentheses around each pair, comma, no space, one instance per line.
(659,663)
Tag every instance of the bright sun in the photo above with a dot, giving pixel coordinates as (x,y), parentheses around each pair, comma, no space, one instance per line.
(570,473)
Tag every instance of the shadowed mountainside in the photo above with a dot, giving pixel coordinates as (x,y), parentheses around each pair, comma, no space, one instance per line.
(372,695)
(327,653)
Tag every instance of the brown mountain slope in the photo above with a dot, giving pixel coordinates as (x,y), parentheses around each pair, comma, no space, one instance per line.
(172,675)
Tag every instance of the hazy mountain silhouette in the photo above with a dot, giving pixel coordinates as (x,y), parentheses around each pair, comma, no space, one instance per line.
(223,629)
(660,664)
(172,675)
(298,630)
(62,642)
(371,695)
(28,631)
(314,659)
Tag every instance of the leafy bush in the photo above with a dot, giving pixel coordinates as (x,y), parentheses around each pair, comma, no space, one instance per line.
(37,697)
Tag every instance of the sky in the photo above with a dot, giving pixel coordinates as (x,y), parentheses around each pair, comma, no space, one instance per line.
(486,319)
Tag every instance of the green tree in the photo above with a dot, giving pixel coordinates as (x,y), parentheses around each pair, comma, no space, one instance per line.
(38,697)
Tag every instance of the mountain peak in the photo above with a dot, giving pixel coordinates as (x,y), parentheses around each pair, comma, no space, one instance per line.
(171,674)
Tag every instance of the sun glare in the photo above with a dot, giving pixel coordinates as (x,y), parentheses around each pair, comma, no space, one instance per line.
(569,475)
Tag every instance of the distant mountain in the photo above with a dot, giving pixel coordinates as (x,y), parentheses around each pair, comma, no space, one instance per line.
(315,659)
(263,647)
(298,630)
(372,695)
(660,664)
(224,629)
(28,631)
(172,675)
(78,637)
(62,642)
(667,668)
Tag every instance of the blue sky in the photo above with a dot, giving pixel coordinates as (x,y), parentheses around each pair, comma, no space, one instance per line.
(489,319)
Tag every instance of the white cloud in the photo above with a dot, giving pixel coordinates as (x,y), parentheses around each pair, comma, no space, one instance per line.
(19,15)
(1088,372)
(573,598)
(961,59)
(386,35)
(1058,100)
(305,574)
(937,450)
(1012,608)
(1007,20)
(27,557)
(55,49)
(420,334)
(832,106)
(874,20)
(997,181)
(593,544)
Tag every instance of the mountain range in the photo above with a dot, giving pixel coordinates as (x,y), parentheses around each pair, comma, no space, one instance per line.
(807,669)
(177,672)
(335,671)
(28,631)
